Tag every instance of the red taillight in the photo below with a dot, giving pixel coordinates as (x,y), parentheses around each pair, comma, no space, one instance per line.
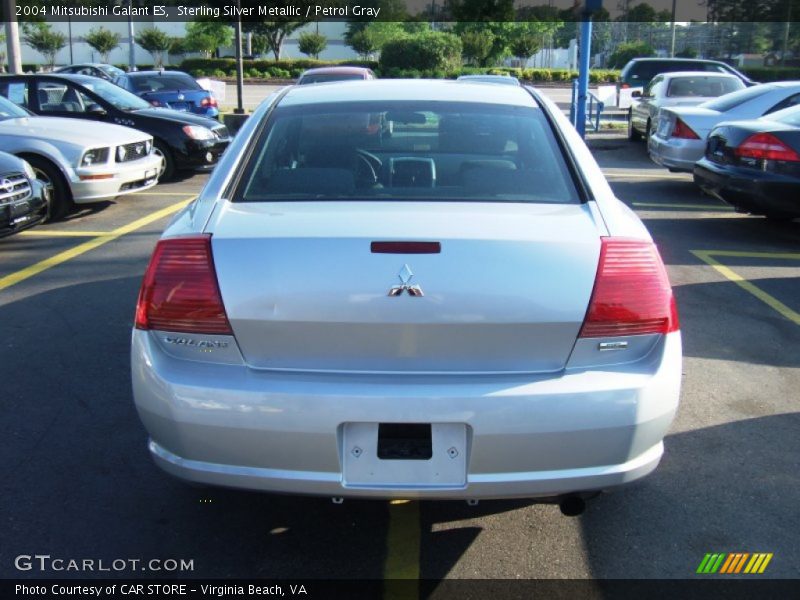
(625,86)
(683,131)
(180,291)
(765,146)
(208,101)
(631,295)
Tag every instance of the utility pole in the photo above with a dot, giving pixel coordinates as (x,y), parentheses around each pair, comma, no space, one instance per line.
(12,38)
(131,41)
(672,45)
(786,32)
(239,64)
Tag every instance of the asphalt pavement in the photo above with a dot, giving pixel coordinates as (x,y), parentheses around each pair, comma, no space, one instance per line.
(77,481)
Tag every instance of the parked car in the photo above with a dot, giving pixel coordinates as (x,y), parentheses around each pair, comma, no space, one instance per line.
(103,71)
(675,89)
(77,164)
(755,165)
(639,71)
(329,74)
(182,140)
(680,137)
(505,79)
(466,311)
(23,199)
(171,89)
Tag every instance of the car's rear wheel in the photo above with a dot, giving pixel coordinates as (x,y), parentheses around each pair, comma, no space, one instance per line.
(633,135)
(57,188)
(167,169)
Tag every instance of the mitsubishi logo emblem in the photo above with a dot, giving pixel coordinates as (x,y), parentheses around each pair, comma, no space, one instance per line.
(405,275)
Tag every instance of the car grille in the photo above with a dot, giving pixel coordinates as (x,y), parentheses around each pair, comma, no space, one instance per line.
(130,152)
(221,132)
(14,187)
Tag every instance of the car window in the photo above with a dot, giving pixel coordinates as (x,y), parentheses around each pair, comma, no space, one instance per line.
(168,82)
(699,86)
(407,151)
(16,92)
(650,89)
(9,110)
(792,100)
(731,101)
(58,97)
(328,77)
(116,96)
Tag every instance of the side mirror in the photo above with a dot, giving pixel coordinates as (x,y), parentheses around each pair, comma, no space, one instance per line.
(96,109)
(636,94)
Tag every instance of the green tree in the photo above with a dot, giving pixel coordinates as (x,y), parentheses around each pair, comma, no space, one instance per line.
(363,43)
(526,39)
(44,40)
(274,33)
(312,44)
(477,46)
(434,50)
(628,51)
(474,11)
(156,42)
(103,40)
(206,36)
(501,37)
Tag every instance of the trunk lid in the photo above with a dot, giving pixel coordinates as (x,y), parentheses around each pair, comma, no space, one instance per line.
(507,293)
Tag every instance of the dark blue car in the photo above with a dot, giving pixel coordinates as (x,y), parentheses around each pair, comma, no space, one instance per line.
(171,89)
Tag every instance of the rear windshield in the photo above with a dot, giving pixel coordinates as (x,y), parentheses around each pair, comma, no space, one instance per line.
(698,87)
(167,82)
(407,151)
(730,101)
(646,70)
(328,77)
(790,116)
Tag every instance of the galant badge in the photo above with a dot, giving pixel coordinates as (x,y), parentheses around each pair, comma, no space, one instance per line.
(405,276)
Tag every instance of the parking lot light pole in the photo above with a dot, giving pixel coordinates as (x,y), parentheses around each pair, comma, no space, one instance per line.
(12,39)
(239,110)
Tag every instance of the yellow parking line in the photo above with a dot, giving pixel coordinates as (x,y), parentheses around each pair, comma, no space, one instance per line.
(62,257)
(710,207)
(402,551)
(707,257)
(47,233)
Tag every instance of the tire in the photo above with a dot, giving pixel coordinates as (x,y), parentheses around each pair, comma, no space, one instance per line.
(167,171)
(633,135)
(57,188)
(649,130)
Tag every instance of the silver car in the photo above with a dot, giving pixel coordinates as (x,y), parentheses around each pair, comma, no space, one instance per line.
(679,140)
(462,309)
(683,88)
(79,161)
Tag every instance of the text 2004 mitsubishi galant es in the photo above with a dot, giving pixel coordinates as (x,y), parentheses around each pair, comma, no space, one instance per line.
(413,289)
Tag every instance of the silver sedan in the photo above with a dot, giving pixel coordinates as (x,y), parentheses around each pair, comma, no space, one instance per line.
(679,140)
(682,88)
(456,308)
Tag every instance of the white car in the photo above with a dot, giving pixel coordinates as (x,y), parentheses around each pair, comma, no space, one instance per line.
(679,139)
(682,88)
(78,161)
(462,310)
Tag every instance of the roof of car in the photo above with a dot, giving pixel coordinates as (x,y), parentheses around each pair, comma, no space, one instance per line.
(344,69)
(690,60)
(157,72)
(407,89)
(674,74)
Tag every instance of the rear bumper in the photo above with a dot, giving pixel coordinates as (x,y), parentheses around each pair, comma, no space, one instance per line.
(528,436)
(746,189)
(676,154)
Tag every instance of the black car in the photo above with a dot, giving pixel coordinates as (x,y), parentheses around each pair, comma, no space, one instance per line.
(101,70)
(639,71)
(23,199)
(186,141)
(755,165)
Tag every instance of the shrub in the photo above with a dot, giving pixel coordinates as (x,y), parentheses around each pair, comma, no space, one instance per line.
(767,74)
(422,51)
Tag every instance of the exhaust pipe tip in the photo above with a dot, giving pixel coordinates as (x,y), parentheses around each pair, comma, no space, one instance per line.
(572,506)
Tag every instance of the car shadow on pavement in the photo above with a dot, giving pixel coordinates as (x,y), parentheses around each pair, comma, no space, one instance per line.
(733,487)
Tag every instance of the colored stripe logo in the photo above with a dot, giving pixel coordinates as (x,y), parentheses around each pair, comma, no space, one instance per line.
(734,563)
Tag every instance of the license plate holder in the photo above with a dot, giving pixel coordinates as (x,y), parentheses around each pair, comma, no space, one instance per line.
(363,468)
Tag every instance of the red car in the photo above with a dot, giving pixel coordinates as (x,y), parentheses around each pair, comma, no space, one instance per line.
(328,74)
